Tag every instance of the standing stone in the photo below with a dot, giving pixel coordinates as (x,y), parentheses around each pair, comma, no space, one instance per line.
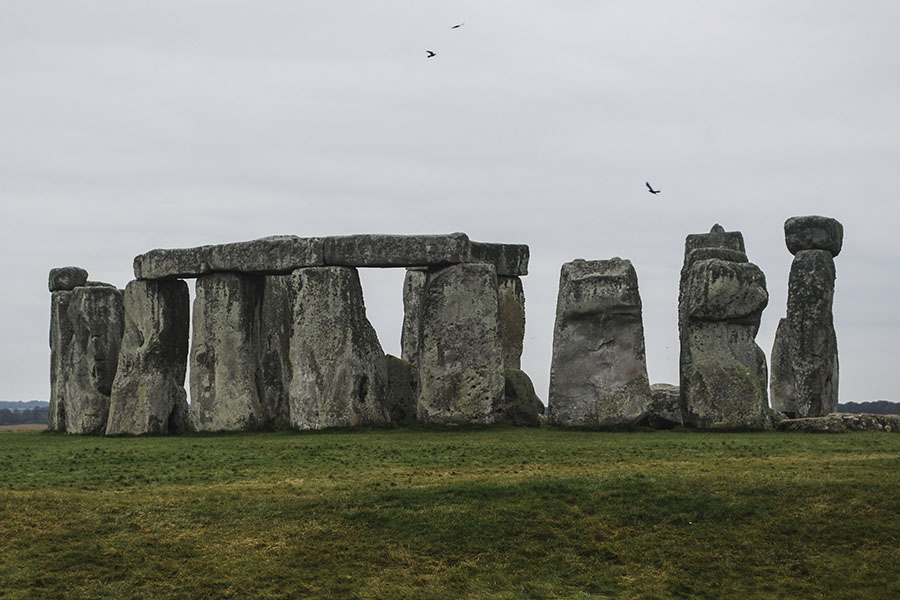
(61,333)
(97,318)
(148,395)
(276,327)
(512,320)
(598,373)
(521,405)
(339,376)
(413,290)
(805,353)
(402,390)
(225,379)
(721,299)
(460,356)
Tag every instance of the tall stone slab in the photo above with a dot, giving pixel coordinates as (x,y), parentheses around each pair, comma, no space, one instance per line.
(61,333)
(148,395)
(276,328)
(97,318)
(721,298)
(224,377)
(511,297)
(805,353)
(339,373)
(598,373)
(460,356)
(413,291)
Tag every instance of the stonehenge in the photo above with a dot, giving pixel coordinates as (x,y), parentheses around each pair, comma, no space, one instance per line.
(805,355)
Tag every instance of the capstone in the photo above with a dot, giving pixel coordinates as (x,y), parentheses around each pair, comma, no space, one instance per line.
(66,278)
(813,233)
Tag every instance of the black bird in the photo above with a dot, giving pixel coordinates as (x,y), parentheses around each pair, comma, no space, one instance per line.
(458,25)
(429,54)
(652,191)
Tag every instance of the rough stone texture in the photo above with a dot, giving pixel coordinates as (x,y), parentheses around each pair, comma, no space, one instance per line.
(61,334)
(278,254)
(510,260)
(384,250)
(512,320)
(664,411)
(224,377)
(97,318)
(413,291)
(521,405)
(276,328)
(460,356)
(813,233)
(841,422)
(402,390)
(723,371)
(598,373)
(66,278)
(805,353)
(148,395)
(340,377)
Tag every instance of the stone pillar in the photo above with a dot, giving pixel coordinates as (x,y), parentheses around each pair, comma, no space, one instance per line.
(276,327)
(61,283)
(225,379)
(721,299)
(413,289)
(148,395)
(340,376)
(97,319)
(598,373)
(511,296)
(460,356)
(805,353)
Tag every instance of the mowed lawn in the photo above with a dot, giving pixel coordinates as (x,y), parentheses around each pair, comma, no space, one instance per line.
(452,513)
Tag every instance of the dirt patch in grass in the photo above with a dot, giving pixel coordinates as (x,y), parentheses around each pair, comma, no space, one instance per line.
(29,427)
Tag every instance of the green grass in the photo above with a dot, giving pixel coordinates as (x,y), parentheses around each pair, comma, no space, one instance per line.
(460,513)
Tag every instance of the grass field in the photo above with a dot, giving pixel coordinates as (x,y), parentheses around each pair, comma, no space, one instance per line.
(468,513)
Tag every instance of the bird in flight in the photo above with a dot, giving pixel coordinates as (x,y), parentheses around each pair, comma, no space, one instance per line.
(429,54)
(649,187)
(458,25)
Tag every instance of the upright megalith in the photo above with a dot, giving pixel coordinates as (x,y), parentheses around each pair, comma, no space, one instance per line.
(598,373)
(276,328)
(805,353)
(61,333)
(96,316)
(339,373)
(460,356)
(225,374)
(721,299)
(413,291)
(148,395)
(511,297)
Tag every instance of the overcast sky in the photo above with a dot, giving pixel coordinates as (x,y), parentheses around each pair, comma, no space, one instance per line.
(130,125)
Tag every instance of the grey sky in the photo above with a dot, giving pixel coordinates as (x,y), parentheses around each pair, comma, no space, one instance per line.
(127,126)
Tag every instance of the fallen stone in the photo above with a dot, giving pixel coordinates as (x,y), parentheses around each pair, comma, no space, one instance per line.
(842,422)
(460,355)
(224,374)
(511,297)
(340,376)
(598,373)
(66,278)
(383,250)
(276,328)
(402,390)
(521,405)
(510,260)
(664,410)
(148,395)
(813,233)
(97,318)
(413,290)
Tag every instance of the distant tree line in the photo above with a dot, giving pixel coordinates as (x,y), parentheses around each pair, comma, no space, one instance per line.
(879,407)
(25,416)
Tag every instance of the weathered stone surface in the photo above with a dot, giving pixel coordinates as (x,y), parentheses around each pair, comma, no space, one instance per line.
(224,375)
(66,278)
(521,405)
(402,390)
(272,255)
(510,260)
(805,353)
(276,328)
(664,410)
(511,296)
(813,233)
(148,395)
(460,356)
(841,422)
(726,254)
(723,371)
(384,250)
(97,318)
(413,291)
(598,373)
(340,377)
(61,334)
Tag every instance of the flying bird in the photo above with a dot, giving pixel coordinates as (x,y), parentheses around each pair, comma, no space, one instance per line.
(429,54)
(458,25)
(649,187)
